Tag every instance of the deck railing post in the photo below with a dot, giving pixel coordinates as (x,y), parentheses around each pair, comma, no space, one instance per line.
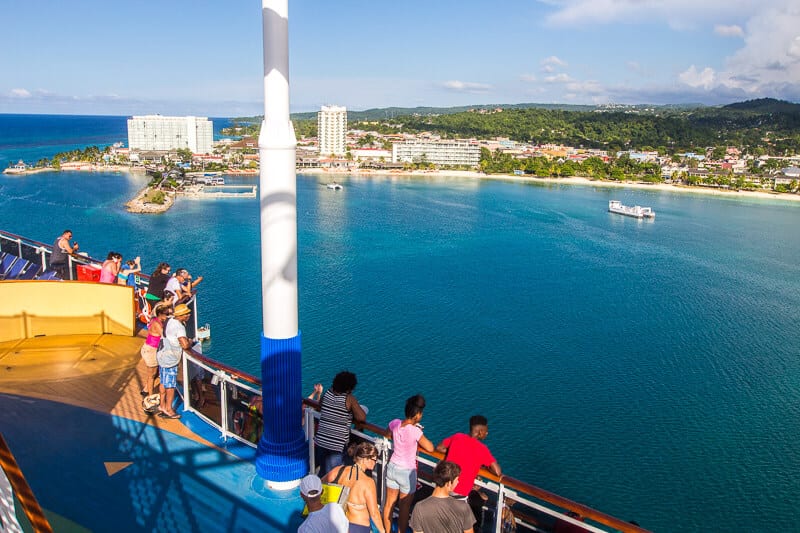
(498,511)
(309,425)
(44,258)
(186,386)
(223,394)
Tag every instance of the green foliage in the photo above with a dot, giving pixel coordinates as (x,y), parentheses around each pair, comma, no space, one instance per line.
(185,155)
(675,131)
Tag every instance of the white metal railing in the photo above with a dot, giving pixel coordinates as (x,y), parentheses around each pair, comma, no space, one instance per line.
(525,508)
(38,252)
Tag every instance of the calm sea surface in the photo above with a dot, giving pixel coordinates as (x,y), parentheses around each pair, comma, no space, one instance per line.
(648,369)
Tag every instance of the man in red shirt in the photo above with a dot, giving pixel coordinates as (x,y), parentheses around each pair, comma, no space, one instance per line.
(468,452)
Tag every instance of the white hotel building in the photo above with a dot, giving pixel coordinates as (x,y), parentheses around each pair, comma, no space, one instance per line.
(331,130)
(157,133)
(447,152)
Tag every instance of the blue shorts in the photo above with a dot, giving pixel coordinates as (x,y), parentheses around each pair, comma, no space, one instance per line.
(168,376)
(401,479)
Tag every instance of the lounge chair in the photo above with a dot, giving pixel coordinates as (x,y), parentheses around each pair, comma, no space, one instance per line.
(50,274)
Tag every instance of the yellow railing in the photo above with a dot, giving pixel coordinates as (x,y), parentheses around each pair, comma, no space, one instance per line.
(33,308)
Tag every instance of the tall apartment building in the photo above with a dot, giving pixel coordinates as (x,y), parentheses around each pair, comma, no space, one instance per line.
(157,133)
(331,130)
(449,152)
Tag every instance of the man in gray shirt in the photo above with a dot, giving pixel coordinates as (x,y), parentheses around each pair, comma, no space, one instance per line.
(441,513)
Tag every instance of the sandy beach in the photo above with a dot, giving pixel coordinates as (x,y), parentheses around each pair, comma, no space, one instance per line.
(572,180)
(138,205)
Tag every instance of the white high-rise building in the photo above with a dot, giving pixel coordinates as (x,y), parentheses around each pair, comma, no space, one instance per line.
(445,152)
(331,130)
(157,133)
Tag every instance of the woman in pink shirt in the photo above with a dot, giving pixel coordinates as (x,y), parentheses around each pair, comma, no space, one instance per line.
(108,274)
(401,472)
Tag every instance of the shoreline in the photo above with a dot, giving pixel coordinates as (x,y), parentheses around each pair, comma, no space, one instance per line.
(571,180)
(135,205)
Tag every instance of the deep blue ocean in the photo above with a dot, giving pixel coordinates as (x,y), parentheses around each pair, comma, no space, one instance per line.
(649,369)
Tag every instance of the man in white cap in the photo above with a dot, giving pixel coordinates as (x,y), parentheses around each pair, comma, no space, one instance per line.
(169,357)
(328,518)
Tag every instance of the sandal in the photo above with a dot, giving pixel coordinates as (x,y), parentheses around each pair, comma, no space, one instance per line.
(162,414)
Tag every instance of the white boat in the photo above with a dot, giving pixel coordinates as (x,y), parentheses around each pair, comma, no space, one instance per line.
(334,186)
(203,333)
(636,211)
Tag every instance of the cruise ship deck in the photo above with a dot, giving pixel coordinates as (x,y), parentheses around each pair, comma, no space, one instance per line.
(70,411)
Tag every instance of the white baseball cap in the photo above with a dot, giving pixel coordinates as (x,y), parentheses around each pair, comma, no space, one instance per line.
(311,486)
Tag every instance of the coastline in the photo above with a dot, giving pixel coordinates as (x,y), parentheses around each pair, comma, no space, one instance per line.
(79,166)
(135,205)
(138,205)
(571,180)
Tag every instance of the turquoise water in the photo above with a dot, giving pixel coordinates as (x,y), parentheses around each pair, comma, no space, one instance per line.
(649,369)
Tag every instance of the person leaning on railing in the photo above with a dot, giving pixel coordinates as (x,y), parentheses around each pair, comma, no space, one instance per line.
(59,258)
(338,409)
(468,452)
(401,472)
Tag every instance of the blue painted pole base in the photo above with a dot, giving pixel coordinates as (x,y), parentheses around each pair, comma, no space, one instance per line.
(282,454)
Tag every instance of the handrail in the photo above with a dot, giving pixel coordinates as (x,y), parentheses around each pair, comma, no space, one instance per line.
(19,485)
(581,511)
(76,258)
(229,369)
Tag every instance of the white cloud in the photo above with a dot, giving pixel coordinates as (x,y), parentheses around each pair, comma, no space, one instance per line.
(586,88)
(558,78)
(698,78)
(678,14)
(794,48)
(729,31)
(766,64)
(466,86)
(528,78)
(553,62)
(20,93)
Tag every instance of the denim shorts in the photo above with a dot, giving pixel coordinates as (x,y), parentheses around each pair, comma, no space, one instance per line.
(168,376)
(403,479)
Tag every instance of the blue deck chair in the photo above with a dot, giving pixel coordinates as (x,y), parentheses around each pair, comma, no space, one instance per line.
(50,274)
(6,263)
(17,268)
(31,272)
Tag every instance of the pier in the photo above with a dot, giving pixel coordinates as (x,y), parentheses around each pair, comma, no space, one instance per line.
(220,191)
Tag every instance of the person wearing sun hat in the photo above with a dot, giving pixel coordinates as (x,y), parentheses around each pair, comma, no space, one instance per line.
(321,518)
(169,357)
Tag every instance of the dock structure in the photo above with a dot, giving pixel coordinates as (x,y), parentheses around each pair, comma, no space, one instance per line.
(223,191)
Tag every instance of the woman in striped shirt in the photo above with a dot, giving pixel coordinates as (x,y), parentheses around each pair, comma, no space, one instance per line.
(339,408)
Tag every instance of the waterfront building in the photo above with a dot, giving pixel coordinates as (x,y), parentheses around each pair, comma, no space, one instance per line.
(158,133)
(445,152)
(331,130)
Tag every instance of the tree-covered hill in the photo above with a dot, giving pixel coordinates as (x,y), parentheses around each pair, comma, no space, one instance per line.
(763,126)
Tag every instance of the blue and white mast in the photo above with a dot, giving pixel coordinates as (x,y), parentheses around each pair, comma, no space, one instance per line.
(282,456)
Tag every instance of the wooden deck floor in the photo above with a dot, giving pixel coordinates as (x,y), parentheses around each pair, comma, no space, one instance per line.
(100,372)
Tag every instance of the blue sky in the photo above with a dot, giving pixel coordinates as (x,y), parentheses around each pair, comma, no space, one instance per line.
(205,57)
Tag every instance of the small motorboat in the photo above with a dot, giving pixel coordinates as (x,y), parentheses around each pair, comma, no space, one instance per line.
(204,333)
(335,186)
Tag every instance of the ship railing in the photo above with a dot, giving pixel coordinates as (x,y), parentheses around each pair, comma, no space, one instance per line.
(14,489)
(39,253)
(233,407)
